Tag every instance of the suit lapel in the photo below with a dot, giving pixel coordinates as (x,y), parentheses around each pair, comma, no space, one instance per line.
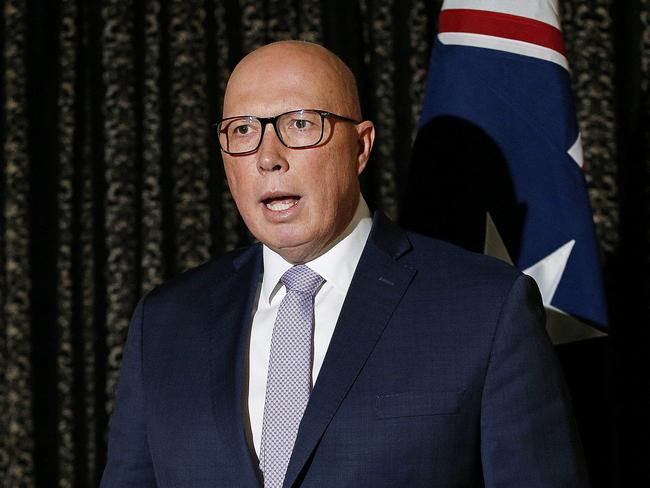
(232,304)
(378,285)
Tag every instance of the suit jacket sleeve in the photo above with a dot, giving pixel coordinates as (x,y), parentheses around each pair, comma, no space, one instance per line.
(528,435)
(129,461)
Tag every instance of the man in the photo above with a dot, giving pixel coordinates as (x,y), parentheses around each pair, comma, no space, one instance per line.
(341,351)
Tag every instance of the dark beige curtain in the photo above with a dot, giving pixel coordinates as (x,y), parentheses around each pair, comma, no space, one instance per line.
(111,182)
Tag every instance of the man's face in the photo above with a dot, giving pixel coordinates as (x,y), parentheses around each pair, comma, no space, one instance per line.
(296,201)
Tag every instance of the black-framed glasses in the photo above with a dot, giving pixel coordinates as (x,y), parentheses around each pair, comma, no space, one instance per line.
(297,129)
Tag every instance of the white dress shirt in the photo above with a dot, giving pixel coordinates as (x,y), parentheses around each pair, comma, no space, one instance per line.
(337,266)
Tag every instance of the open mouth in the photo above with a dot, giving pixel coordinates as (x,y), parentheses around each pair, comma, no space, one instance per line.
(281,203)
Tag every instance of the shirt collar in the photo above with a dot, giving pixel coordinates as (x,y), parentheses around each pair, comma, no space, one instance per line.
(336,265)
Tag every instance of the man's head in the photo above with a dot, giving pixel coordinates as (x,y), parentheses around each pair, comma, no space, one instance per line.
(297,201)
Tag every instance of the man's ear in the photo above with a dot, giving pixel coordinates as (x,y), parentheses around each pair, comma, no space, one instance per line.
(366,137)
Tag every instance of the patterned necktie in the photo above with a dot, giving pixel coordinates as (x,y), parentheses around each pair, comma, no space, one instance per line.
(288,383)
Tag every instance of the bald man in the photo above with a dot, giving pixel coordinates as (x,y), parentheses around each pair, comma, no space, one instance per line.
(339,351)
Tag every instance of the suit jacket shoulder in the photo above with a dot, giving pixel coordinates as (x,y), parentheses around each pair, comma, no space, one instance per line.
(463,289)
(203,279)
(457,266)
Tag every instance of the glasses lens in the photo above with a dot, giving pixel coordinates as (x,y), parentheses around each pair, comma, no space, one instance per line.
(301,128)
(239,135)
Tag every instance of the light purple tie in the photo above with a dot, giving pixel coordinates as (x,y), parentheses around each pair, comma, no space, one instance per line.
(288,383)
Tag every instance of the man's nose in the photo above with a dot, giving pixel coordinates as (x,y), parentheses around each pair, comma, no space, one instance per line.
(271,153)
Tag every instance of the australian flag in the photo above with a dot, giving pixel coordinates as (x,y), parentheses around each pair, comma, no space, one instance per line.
(497,164)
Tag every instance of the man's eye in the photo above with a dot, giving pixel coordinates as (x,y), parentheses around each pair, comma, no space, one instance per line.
(301,124)
(242,130)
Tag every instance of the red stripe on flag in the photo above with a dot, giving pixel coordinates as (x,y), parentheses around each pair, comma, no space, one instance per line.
(502,25)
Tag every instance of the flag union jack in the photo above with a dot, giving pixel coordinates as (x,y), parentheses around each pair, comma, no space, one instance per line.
(502,67)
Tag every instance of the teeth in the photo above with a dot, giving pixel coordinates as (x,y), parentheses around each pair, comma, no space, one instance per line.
(281,205)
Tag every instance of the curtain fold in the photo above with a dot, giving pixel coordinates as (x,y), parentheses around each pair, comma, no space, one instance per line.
(16,426)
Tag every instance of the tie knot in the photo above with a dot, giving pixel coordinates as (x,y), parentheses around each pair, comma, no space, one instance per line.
(302,279)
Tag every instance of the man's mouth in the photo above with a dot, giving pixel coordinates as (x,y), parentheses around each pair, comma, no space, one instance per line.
(280,203)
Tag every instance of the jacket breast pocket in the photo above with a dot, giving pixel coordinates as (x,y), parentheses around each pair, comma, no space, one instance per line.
(417,404)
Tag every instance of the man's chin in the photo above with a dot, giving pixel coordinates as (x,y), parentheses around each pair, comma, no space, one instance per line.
(294,251)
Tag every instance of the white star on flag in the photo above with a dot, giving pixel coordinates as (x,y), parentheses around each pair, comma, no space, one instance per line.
(547,273)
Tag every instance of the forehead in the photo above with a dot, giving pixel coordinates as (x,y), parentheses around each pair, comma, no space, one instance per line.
(269,85)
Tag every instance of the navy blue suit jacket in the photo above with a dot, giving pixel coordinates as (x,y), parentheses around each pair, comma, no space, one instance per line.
(439,374)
